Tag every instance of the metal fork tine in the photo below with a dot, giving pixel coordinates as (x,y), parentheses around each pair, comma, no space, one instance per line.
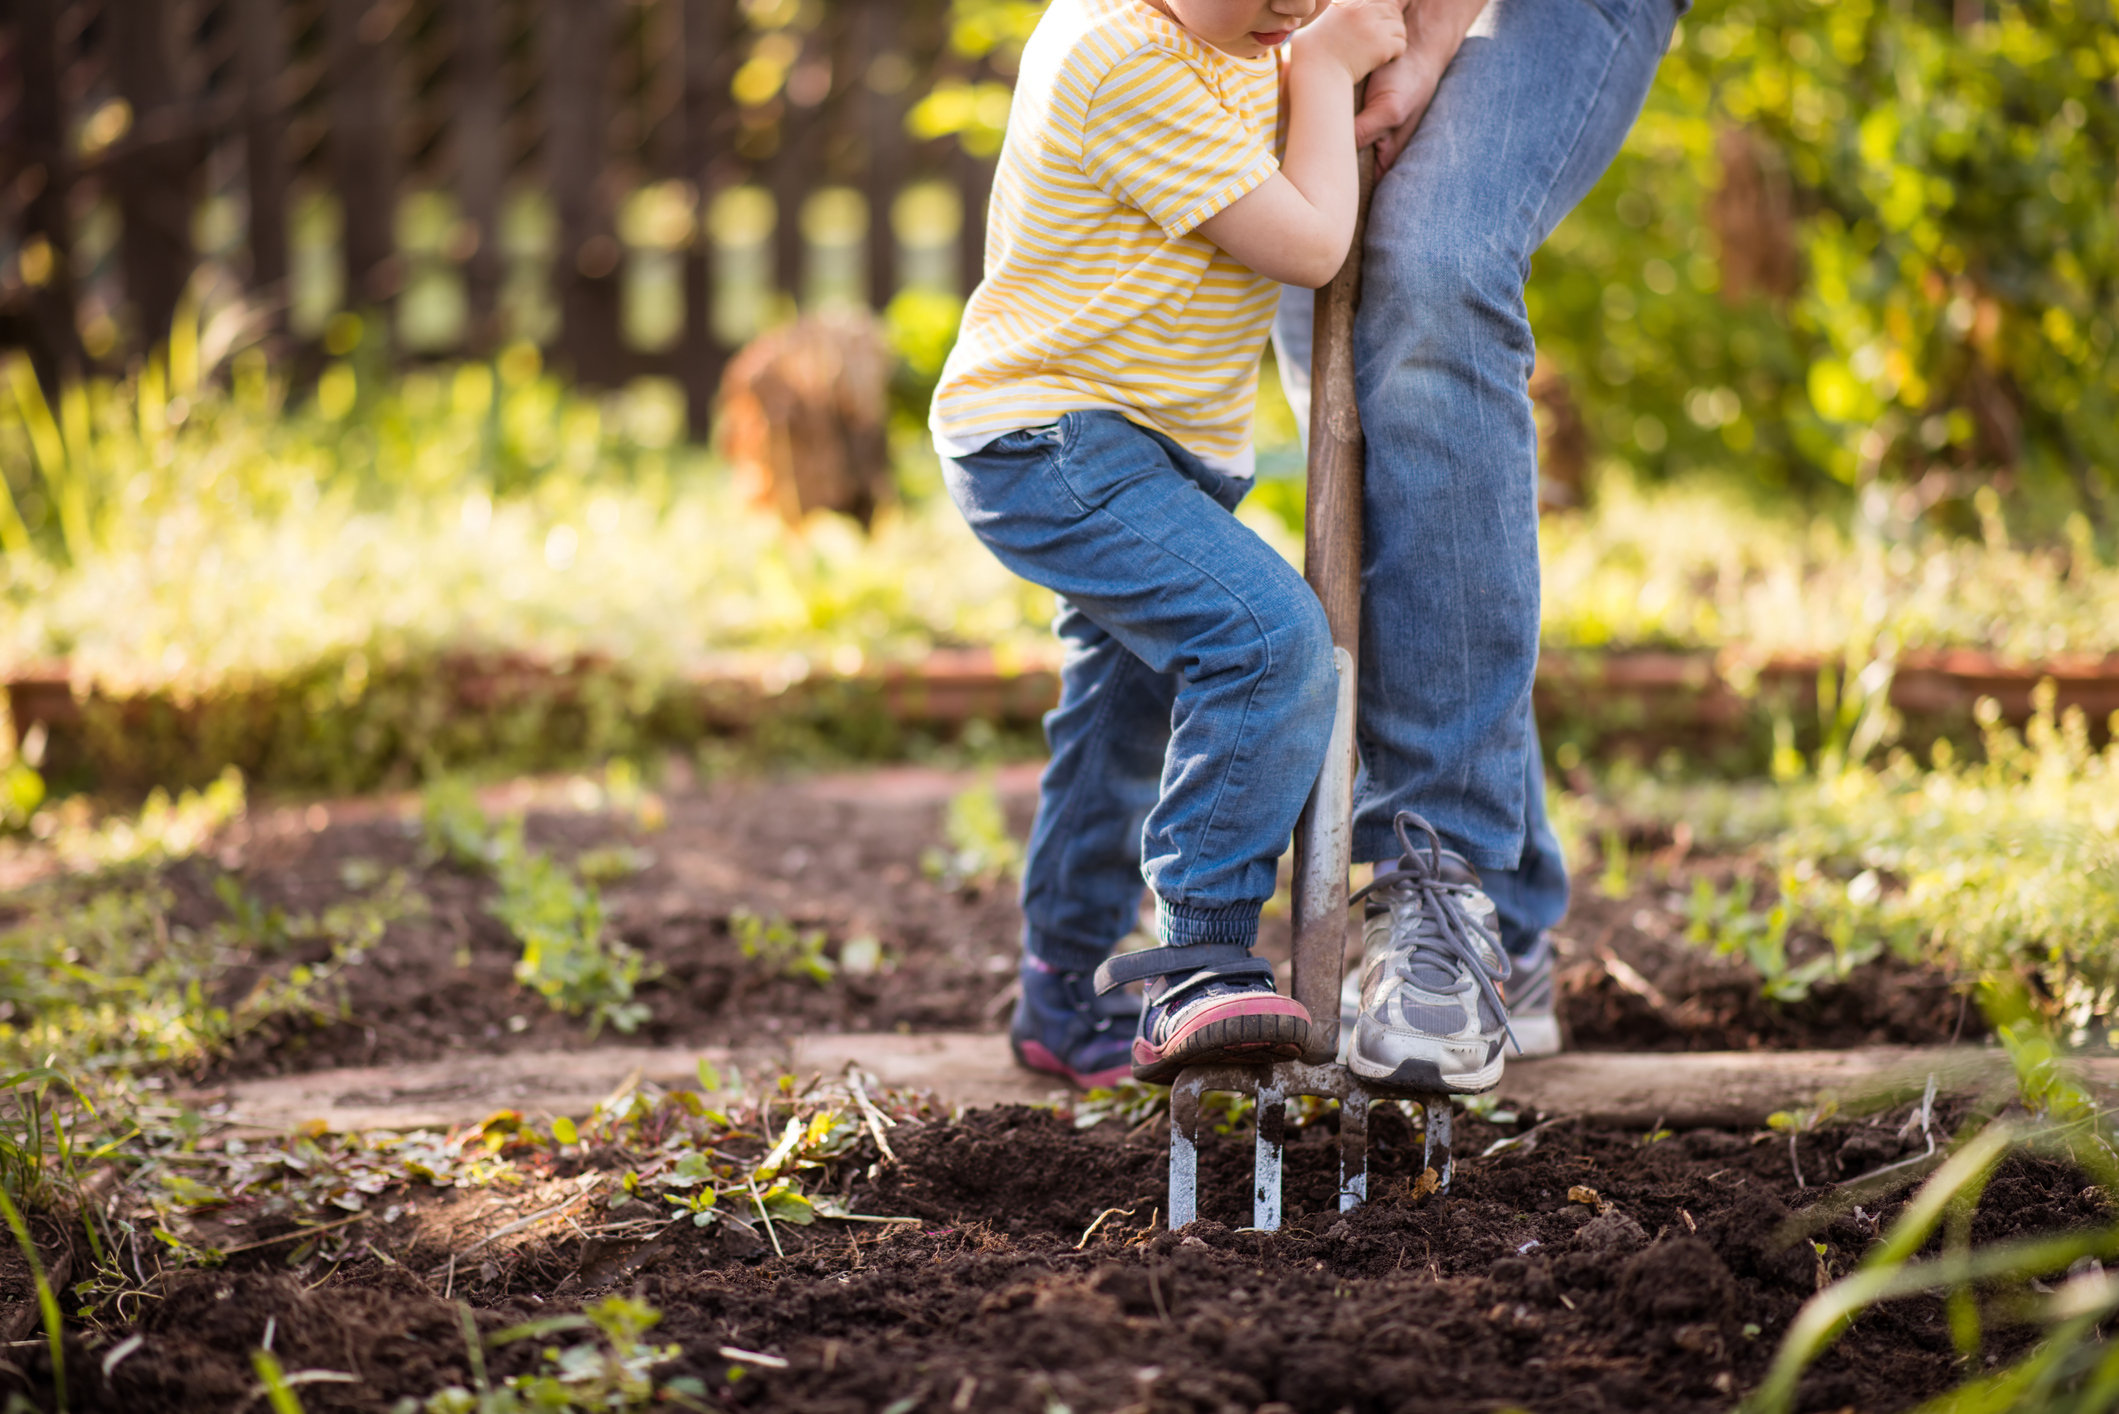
(1438,1138)
(1353,1150)
(1272,1118)
(1184,1151)
(1272,1086)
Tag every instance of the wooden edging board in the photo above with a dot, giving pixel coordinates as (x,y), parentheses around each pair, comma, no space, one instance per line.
(1718,1089)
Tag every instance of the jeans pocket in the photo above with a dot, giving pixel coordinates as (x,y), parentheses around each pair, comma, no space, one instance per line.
(1025,441)
(1102,455)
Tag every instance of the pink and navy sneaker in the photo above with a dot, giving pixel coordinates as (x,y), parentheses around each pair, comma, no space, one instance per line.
(1207,1004)
(1062,1027)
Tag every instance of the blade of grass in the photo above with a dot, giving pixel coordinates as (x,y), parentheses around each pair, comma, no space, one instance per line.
(474,1350)
(1827,1313)
(47,1301)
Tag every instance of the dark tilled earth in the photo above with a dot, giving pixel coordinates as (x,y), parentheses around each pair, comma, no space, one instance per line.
(1506,1293)
(844,854)
(1666,1288)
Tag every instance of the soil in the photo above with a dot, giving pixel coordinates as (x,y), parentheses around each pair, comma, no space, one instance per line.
(1631,980)
(1591,1271)
(847,855)
(1584,1270)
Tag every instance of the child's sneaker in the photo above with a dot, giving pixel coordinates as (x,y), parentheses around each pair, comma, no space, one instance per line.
(1532,1005)
(1432,1017)
(1209,1004)
(1062,1027)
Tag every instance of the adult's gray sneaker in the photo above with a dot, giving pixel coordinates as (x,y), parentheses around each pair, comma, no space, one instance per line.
(1432,1017)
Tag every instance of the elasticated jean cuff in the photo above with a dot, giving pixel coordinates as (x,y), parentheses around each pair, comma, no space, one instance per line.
(1182,925)
(1064,954)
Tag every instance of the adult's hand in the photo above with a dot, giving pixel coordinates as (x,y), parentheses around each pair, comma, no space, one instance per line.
(1399,92)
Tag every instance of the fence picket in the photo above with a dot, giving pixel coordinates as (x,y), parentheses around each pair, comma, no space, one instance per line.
(466,106)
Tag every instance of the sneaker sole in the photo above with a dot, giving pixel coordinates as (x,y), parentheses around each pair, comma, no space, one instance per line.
(1246,1030)
(1032,1056)
(1426,1075)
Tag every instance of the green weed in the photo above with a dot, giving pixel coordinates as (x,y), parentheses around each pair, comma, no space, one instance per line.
(614,1370)
(566,957)
(2054,1280)
(979,848)
(556,916)
(1728,923)
(164,829)
(2003,862)
(47,1301)
(455,826)
(780,950)
(98,970)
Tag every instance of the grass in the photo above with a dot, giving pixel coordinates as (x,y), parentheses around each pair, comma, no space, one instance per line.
(2007,862)
(1704,565)
(197,530)
(2052,1281)
(96,969)
(237,533)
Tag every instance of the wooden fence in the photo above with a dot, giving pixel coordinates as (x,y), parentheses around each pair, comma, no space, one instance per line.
(631,183)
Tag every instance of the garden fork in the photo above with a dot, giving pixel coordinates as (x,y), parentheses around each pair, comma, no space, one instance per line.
(1324,837)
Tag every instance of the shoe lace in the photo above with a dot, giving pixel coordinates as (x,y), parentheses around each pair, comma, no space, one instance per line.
(1441,945)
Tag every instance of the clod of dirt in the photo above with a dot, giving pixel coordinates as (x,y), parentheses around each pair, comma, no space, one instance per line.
(1611,1233)
(1675,1283)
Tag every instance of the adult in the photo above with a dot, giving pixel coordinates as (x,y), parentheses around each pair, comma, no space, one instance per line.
(1496,121)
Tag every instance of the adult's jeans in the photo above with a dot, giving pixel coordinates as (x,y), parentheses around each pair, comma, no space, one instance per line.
(1196,687)
(1527,117)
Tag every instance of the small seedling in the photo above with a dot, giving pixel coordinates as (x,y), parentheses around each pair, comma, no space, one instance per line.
(565,955)
(979,848)
(779,949)
(456,826)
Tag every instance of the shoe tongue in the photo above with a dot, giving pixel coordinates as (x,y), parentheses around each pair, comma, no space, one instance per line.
(1433,970)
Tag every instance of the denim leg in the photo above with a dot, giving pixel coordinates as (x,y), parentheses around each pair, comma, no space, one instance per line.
(1136,535)
(1527,117)
(1531,897)
(1082,881)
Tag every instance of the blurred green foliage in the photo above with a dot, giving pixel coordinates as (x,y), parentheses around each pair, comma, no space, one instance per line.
(1858,241)
(1846,243)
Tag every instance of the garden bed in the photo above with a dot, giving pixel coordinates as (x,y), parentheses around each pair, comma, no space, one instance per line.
(1024,1266)
(347,723)
(1590,1271)
(845,857)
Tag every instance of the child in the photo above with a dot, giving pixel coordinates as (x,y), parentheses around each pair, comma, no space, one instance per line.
(1095,423)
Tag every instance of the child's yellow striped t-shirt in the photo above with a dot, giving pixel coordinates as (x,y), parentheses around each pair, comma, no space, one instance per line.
(1126,132)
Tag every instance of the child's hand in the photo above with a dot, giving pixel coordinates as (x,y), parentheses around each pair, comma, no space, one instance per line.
(1360,35)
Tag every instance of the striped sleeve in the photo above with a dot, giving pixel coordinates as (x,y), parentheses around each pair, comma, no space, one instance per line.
(1158,139)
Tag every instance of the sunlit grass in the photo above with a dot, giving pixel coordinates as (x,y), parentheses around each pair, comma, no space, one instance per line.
(1700,565)
(2006,863)
(181,532)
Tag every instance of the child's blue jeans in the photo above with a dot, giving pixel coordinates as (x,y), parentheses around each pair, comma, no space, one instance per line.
(1196,690)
